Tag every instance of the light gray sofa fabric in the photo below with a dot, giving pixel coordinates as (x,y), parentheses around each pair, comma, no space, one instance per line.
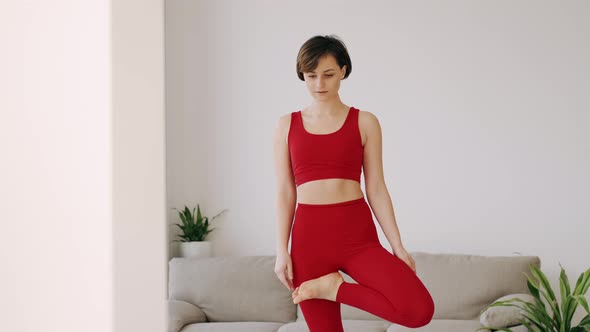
(441,325)
(349,325)
(234,326)
(226,289)
(506,315)
(182,313)
(244,290)
(462,285)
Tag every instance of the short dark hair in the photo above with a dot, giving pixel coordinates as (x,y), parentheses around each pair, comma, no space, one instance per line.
(319,46)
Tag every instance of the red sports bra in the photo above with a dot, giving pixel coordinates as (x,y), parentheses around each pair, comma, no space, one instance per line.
(322,156)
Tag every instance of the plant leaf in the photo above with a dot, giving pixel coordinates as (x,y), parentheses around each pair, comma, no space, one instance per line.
(565,292)
(538,315)
(581,328)
(582,279)
(533,287)
(527,324)
(218,214)
(582,301)
(549,295)
(569,308)
(195,226)
(534,313)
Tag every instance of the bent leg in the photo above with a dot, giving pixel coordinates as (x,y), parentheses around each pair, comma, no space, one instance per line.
(387,287)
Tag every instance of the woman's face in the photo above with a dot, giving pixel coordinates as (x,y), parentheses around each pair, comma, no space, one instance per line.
(323,82)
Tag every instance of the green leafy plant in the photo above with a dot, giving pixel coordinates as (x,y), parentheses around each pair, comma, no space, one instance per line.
(535,316)
(194,227)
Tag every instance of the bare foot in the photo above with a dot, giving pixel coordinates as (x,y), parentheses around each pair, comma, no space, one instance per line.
(324,287)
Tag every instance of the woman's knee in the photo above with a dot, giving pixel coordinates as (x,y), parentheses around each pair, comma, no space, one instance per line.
(420,313)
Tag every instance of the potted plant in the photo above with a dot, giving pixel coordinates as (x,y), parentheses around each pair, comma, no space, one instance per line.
(195,229)
(535,316)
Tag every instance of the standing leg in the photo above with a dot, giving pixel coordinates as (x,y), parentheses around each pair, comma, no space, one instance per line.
(387,287)
(320,315)
(310,262)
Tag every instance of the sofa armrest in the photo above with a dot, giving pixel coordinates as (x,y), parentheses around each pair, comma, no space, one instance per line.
(181,313)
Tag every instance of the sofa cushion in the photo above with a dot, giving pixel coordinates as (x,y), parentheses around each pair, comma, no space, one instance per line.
(349,326)
(441,325)
(233,326)
(463,285)
(238,288)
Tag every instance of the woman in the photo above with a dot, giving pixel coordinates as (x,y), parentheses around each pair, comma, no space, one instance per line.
(319,152)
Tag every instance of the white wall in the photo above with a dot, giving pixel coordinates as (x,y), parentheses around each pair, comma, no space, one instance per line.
(82,194)
(484,109)
(139,193)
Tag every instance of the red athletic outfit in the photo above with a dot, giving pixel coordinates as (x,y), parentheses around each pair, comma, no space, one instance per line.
(342,236)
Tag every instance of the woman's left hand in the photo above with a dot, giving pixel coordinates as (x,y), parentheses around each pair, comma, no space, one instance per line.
(404,256)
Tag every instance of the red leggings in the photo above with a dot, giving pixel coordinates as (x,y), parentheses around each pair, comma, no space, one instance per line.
(342,236)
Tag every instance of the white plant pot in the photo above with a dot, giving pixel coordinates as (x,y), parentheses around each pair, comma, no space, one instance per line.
(195,249)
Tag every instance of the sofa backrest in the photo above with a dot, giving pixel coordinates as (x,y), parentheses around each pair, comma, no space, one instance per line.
(462,285)
(240,288)
(245,288)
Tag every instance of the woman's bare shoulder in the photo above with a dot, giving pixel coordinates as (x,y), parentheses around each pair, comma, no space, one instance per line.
(367,116)
(282,125)
(368,123)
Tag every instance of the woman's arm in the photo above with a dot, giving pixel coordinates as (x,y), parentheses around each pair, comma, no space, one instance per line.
(286,193)
(377,193)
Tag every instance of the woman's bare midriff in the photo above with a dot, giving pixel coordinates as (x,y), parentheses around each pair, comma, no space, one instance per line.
(328,191)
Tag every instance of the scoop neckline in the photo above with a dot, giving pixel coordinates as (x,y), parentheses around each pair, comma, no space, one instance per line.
(332,133)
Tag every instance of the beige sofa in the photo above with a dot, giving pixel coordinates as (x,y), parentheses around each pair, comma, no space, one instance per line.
(242,293)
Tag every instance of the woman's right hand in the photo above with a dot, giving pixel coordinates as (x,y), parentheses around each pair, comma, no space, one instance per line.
(284,269)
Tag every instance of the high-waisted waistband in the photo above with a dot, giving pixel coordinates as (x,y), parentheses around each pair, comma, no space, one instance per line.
(350,202)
